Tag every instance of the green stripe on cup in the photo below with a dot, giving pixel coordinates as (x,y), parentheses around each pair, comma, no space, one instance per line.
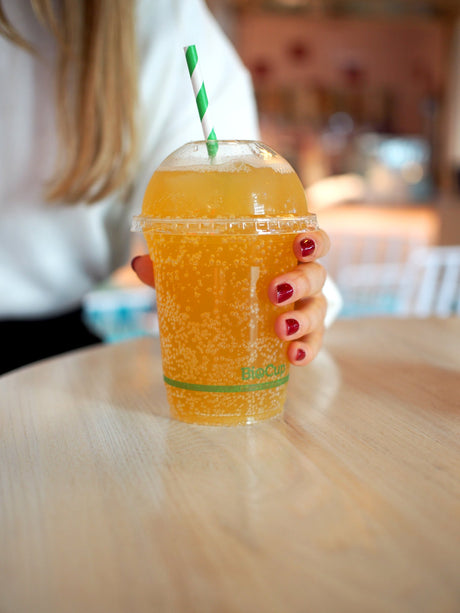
(226,389)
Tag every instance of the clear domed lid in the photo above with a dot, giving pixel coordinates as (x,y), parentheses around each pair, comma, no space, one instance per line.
(245,187)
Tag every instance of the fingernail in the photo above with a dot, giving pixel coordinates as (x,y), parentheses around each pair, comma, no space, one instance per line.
(284,291)
(292,326)
(133,262)
(300,355)
(307,247)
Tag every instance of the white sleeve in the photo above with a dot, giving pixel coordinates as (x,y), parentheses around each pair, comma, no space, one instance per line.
(334,301)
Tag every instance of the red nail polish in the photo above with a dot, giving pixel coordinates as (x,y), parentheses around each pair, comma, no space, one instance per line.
(300,355)
(284,291)
(307,247)
(133,262)
(292,326)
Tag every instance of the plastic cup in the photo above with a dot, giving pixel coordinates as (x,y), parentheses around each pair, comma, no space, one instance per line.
(218,231)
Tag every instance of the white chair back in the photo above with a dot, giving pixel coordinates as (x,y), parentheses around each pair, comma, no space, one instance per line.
(432,283)
(399,279)
(369,270)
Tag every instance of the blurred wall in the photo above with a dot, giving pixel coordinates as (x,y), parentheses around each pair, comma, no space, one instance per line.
(398,63)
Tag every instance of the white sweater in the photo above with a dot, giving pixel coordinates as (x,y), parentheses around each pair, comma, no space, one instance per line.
(51,255)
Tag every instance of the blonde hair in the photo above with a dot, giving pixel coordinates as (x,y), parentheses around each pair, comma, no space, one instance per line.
(96,94)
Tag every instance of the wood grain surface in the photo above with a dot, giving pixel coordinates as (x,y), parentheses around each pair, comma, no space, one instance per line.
(349,502)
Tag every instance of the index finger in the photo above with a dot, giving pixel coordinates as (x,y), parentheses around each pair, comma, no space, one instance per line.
(311,245)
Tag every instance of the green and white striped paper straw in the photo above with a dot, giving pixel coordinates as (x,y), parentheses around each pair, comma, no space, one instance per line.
(201,99)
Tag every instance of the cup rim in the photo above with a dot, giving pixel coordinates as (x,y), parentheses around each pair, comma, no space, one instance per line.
(287,224)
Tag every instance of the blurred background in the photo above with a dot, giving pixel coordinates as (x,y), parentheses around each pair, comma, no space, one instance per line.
(363,98)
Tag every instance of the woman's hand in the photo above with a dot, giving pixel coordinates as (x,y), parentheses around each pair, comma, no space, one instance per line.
(142,266)
(303,325)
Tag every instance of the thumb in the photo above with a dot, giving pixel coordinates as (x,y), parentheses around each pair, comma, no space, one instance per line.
(142,266)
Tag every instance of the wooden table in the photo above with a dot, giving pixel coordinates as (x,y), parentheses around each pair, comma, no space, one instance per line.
(348,503)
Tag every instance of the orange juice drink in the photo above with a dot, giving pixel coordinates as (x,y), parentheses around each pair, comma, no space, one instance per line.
(218,231)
